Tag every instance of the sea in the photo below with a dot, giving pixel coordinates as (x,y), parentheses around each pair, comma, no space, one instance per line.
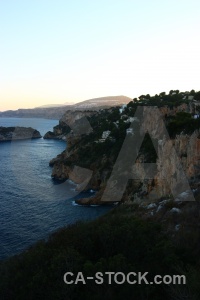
(32,205)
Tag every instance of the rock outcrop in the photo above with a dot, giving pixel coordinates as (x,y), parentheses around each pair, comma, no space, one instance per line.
(182,153)
(74,120)
(178,155)
(187,150)
(18,133)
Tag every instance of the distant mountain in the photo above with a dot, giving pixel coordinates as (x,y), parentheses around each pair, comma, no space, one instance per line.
(93,103)
(50,105)
(56,112)
(46,113)
(56,105)
(103,102)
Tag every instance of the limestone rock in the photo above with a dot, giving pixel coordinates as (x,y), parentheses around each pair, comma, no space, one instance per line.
(18,133)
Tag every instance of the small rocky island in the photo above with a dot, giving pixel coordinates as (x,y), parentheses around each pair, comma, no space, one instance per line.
(18,133)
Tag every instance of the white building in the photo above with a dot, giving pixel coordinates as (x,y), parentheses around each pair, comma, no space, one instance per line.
(122,108)
(129,131)
(131,119)
(190,97)
(106,134)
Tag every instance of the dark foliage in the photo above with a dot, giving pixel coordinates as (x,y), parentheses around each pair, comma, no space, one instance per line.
(117,242)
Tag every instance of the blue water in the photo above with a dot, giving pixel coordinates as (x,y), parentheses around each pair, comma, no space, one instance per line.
(31,204)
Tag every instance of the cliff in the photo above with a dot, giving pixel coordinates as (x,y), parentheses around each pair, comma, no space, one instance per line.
(168,173)
(71,120)
(92,152)
(18,133)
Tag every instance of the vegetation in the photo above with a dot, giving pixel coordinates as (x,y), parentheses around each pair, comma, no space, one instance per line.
(182,123)
(116,242)
(125,240)
(91,151)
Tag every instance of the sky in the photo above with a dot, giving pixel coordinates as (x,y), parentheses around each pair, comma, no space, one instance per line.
(52,52)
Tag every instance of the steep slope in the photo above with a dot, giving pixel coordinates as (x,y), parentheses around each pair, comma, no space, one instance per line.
(98,150)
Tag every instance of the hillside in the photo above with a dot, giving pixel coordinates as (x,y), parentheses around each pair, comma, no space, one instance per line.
(102,102)
(128,239)
(148,232)
(57,112)
(98,150)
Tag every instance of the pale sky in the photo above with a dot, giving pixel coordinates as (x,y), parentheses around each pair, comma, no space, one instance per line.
(61,51)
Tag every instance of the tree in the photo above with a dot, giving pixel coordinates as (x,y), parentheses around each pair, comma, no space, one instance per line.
(192,92)
(147,96)
(162,94)
(141,97)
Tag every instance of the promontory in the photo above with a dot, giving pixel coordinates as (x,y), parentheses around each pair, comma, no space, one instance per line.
(18,133)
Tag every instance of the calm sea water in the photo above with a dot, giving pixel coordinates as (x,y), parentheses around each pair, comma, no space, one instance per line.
(31,204)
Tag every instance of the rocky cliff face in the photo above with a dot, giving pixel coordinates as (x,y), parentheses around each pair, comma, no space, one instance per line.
(167,111)
(65,167)
(183,150)
(184,147)
(18,133)
(176,157)
(71,120)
